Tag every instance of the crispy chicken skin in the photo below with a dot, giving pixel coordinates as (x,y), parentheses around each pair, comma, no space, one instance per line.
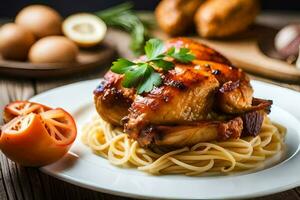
(112,100)
(185,96)
(207,99)
(201,51)
(189,134)
(235,93)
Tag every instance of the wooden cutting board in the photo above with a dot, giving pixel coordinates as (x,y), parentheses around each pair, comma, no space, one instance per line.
(254,52)
(86,60)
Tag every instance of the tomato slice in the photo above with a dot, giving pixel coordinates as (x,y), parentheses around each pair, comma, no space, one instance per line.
(60,126)
(38,137)
(22,108)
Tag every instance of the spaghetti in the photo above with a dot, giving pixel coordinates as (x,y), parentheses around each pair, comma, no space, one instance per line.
(217,157)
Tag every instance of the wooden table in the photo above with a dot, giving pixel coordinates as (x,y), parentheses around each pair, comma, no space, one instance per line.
(29,183)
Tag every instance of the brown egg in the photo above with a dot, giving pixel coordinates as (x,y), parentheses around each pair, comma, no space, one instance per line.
(40,20)
(53,49)
(15,41)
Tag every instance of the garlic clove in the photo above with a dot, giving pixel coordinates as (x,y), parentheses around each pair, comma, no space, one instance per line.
(287,41)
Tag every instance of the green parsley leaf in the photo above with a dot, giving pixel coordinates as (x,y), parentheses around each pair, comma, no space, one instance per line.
(134,75)
(165,65)
(183,55)
(121,66)
(171,51)
(149,82)
(154,48)
(141,75)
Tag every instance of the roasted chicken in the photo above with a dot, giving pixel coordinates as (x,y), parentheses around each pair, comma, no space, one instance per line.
(205,100)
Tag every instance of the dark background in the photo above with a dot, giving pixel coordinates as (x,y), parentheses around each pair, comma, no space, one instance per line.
(9,8)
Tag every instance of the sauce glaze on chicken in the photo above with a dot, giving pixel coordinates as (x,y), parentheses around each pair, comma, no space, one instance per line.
(205,100)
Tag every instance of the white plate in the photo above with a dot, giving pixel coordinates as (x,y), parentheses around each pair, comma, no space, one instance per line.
(81,167)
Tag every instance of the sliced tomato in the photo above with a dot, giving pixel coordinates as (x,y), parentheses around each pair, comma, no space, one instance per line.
(38,138)
(60,126)
(17,108)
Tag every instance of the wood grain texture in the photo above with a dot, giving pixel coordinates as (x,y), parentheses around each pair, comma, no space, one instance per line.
(22,183)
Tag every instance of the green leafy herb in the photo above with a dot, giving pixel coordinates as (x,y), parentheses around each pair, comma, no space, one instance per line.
(124,17)
(134,76)
(154,48)
(142,75)
(122,65)
(149,82)
(163,64)
(182,55)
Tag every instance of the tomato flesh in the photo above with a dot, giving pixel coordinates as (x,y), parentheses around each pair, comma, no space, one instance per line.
(59,125)
(22,108)
(38,135)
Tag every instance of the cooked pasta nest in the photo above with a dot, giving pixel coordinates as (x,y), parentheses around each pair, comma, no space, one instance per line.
(204,158)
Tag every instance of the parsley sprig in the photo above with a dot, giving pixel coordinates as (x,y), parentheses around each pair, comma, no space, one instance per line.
(143,75)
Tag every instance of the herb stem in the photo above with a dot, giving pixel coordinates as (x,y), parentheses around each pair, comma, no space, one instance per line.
(122,16)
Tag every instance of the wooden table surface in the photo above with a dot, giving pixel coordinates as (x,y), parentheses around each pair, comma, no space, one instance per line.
(29,183)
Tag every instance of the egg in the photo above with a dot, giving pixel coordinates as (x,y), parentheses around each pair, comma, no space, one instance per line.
(85,29)
(287,41)
(40,20)
(53,49)
(15,41)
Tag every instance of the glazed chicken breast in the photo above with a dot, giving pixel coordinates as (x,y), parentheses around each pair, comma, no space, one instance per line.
(205,100)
